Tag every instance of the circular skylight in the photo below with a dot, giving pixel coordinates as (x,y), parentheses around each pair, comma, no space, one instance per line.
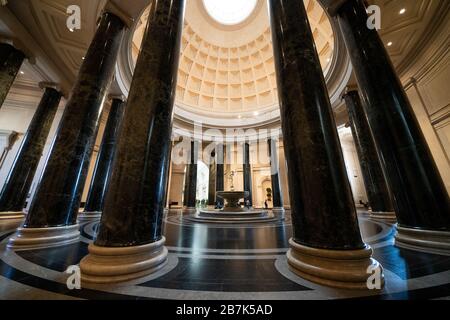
(230,12)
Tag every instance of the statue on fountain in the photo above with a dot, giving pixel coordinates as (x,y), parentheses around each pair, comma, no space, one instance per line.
(232,198)
(232,211)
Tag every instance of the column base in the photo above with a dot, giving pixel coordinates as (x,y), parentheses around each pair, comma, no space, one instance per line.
(89,216)
(38,238)
(346,269)
(429,241)
(11,215)
(383,216)
(189,210)
(279,213)
(107,265)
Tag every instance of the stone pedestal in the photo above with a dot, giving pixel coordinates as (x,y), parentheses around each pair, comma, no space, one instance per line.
(40,238)
(279,213)
(347,269)
(106,265)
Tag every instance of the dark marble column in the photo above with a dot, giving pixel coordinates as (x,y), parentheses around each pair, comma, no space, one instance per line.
(191,178)
(277,198)
(212,181)
(57,199)
(11,60)
(325,225)
(130,231)
(374,180)
(20,177)
(419,195)
(134,205)
(103,166)
(247,172)
(169,179)
(220,172)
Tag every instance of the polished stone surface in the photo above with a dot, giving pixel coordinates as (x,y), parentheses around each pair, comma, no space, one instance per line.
(58,196)
(419,195)
(212,181)
(247,173)
(277,198)
(134,205)
(11,60)
(190,185)
(324,214)
(20,177)
(220,170)
(103,166)
(208,261)
(374,181)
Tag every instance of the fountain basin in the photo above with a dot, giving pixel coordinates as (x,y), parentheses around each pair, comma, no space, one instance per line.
(232,200)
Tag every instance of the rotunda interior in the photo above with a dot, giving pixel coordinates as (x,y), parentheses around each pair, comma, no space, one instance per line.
(223,150)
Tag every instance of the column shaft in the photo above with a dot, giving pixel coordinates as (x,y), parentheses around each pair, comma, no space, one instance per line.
(169,178)
(20,177)
(374,180)
(220,171)
(58,196)
(326,246)
(212,181)
(247,169)
(103,166)
(11,60)
(419,195)
(277,198)
(323,211)
(134,204)
(191,177)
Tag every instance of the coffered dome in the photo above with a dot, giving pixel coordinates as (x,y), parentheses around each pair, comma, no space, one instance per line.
(227,73)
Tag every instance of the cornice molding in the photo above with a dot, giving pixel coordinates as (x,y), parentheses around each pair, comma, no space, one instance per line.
(436,30)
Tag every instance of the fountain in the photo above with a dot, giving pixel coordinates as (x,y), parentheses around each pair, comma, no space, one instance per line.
(233,211)
(232,199)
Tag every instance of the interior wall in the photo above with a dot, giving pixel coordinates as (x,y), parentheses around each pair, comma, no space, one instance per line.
(427,86)
(284,184)
(176,186)
(352,165)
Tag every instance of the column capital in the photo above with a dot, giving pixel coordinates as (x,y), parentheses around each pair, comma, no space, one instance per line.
(113,8)
(18,45)
(120,97)
(332,6)
(45,84)
(348,89)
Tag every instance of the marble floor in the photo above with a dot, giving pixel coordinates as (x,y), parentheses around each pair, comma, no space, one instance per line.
(225,262)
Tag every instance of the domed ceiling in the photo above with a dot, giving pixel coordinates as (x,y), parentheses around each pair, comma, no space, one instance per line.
(227,69)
